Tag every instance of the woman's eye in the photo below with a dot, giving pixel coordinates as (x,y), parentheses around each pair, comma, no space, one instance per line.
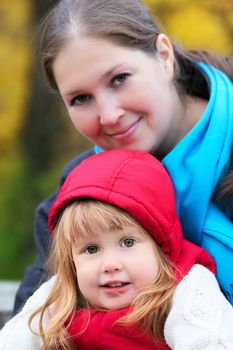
(128,242)
(119,79)
(79,100)
(92,249)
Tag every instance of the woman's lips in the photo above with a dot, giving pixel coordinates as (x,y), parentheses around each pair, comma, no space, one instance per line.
(126,131)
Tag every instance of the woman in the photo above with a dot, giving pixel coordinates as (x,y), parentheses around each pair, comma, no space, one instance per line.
(125,85)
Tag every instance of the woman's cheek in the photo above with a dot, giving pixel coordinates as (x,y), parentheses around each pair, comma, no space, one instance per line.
(86,123)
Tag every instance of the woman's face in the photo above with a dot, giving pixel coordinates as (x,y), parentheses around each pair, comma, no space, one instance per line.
(118,97)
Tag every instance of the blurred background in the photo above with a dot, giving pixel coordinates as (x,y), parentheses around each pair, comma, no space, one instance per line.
(36,136)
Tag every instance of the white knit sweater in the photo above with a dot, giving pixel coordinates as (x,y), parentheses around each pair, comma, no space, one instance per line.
(200,318)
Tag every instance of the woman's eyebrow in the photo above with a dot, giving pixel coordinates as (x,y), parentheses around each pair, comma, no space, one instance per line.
(105,75)
(111,70)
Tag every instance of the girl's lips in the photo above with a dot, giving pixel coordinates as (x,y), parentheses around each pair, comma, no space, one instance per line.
(114,284)
(115,287)
(126,131)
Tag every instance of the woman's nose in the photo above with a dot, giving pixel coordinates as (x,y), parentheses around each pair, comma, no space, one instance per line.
(109,110)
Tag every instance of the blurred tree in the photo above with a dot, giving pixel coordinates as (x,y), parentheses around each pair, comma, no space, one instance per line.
(35,137)
(205,25)
(43,114)
(15,57)
(45,130)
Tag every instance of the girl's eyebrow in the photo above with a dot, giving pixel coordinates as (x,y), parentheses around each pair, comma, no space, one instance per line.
(87,239)
(106,75)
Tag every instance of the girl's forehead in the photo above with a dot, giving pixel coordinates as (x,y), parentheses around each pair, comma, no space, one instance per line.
(101,233)
(93,219)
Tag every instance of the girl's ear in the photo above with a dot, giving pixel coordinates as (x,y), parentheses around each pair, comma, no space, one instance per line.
(165,54)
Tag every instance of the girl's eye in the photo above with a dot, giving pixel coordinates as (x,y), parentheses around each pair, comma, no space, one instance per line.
(128,242)
(92,249)
(80,100)
(119,79)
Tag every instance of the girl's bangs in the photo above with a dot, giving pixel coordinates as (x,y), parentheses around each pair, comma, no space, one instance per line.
(87,217)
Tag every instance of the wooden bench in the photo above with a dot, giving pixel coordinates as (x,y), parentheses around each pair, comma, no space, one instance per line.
(8,290)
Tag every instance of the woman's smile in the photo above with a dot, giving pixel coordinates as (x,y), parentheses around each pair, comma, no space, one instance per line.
(127,132)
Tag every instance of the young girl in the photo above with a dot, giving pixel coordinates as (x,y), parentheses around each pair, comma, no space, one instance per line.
(125,85)
(125,278)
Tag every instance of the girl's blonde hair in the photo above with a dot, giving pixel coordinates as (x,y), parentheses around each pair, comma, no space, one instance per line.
(81,218)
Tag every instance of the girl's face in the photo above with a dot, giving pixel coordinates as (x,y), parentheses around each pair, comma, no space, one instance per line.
(119,97)
(113,266)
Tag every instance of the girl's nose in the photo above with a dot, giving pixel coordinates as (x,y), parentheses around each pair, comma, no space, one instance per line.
(111,264)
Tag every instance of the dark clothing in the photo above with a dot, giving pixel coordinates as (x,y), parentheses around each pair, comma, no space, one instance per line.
(34,275)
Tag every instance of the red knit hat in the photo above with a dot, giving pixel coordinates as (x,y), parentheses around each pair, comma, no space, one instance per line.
(139,184)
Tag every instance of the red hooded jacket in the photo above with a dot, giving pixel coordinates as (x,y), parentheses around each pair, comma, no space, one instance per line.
(139,184)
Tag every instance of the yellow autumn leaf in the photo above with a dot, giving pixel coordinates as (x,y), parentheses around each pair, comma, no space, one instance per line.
(197,28)
(15,61)
(206,25)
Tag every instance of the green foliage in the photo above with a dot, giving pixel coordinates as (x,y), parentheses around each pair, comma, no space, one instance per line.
(15,219)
